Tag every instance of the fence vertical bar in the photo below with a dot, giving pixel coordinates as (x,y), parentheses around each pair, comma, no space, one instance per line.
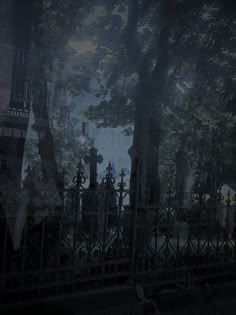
(134,234)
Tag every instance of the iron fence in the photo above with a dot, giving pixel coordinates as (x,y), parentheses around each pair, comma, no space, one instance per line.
(63,239)
(73,237)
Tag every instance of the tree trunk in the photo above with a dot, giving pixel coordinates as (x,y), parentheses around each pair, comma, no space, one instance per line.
(150,98)
(39,106)
(144,180)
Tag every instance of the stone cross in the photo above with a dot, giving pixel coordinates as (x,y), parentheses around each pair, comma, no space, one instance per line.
(93,159)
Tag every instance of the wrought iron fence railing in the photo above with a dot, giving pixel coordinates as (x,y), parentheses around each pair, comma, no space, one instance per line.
(63,239)
(72,237)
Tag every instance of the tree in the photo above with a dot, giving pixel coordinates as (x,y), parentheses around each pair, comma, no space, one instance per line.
(142,51)
(201,38)
(43,28)
(150,90)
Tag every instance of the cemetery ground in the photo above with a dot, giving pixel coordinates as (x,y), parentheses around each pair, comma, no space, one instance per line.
(205,303)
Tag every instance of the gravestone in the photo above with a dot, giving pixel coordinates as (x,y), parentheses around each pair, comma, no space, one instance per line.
(90,212)
(107,203)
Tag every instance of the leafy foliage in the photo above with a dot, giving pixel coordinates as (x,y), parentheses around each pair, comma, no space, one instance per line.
(124,49)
